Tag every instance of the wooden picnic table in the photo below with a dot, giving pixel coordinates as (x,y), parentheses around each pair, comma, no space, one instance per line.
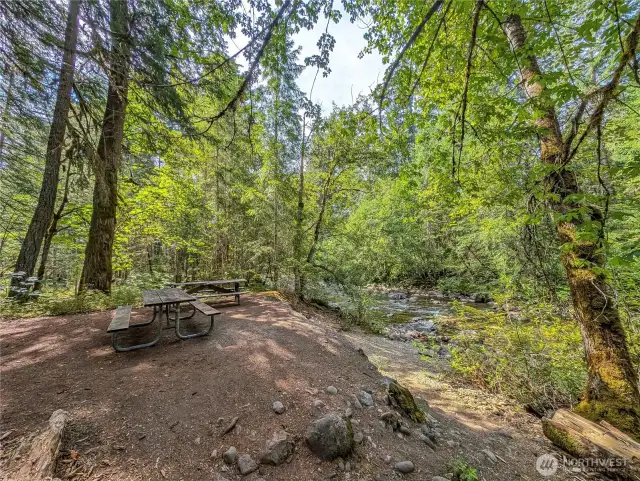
(162,301)
(213,288)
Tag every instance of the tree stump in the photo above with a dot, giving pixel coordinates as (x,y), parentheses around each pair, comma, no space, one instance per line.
(600,446)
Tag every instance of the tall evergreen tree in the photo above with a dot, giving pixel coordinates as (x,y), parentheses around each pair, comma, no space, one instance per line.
(43,214)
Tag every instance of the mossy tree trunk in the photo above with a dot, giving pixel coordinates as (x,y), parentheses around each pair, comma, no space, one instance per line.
(97,270)
(612,388)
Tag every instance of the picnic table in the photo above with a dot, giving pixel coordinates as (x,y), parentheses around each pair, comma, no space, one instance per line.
(163,301)
(217,288)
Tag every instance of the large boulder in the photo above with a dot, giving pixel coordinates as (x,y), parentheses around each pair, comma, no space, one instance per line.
(402,398)
(278,449)
(330,437)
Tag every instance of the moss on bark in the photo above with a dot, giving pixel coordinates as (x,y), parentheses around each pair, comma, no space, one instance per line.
(401,396)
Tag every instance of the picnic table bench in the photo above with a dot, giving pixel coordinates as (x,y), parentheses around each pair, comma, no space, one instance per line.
(162,301)
(217,288)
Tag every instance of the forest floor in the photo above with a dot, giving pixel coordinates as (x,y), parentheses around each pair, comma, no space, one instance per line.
(160,413)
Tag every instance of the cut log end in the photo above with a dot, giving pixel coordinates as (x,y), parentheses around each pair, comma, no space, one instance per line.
(600,445)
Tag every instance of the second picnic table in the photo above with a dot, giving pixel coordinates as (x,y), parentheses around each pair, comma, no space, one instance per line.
(205,289)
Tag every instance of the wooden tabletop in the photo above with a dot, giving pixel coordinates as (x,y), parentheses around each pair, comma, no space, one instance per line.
(200,283)
(171,295)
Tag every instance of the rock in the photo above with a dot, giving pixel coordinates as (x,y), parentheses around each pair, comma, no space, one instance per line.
(387,459)
(197,440)
(490,455)
(389,417)
(332,390)
(347,467)
(278,407)
(430,433)
(439,478)
(504,433)
(348,412)
(398,296)
(278,449)
(404,467)
(246,464)
(330,437)
(365,398)
(318,406)
(410,331)
(404,429)
(426,440)
(214,454)
(403,399)
(341,464)
(355,402)
(230,455)
(220,478)
(358,438)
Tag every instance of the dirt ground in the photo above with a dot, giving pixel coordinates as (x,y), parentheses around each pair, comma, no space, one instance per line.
(158,413)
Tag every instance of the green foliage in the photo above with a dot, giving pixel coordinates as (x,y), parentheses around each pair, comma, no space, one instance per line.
(463,471)
(62,302)
(533,355)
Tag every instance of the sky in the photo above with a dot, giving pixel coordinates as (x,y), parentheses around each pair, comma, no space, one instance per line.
(349,75)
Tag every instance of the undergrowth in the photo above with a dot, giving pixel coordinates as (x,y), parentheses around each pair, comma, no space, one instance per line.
(58,302)
(534,355)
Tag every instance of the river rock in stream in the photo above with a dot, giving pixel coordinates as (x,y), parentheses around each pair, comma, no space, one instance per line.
(416,329)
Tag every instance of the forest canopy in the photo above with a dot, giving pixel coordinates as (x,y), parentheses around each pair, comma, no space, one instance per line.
(498,156)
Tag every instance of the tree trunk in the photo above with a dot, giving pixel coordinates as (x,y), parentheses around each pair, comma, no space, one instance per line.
(299,280)
(612,387)
(53,230)
(7,105)
(41,219)
(97,270)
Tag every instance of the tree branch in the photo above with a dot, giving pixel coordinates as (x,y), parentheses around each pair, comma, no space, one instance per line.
(434,8)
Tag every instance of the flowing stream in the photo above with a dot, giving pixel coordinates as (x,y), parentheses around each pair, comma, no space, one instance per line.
(398,310)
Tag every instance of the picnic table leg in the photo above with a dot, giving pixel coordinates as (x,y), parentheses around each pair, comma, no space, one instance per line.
(193,313)
(236,287)
(190,336)
(116,335)
(142,324)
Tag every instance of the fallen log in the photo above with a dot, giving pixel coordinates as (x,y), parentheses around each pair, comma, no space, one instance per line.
(598,447)
(40,452)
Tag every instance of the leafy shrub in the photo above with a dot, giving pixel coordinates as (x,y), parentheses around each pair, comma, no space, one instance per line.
(462,471)
(534,356)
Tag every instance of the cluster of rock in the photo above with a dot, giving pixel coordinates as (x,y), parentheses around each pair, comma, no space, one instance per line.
(418,329)
(279,449)
(333,437)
